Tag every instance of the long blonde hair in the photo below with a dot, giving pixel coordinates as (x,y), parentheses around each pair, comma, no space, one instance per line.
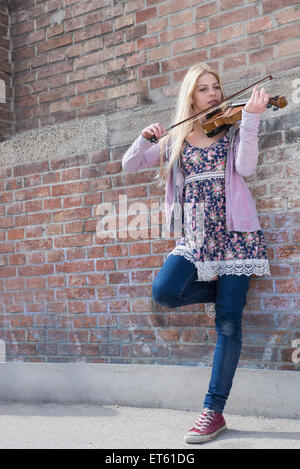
(183,111)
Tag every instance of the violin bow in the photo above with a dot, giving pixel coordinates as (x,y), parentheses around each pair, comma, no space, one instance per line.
(212,108)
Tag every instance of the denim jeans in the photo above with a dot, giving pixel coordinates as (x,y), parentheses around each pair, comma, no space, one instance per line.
(176,285)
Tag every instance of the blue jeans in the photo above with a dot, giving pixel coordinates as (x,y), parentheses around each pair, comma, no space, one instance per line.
(176,285)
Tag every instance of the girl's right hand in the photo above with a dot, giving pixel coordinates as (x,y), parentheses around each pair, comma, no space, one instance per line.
(157,130)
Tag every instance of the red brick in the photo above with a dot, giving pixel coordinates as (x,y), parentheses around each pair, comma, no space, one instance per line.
(75,187)
(30,245)
(172,6)
(191,351)
(21,28)
(82,266)
(55,30)
(145,15)
(22,320)
(256,352)
(239,15)
(141,305)
(262,55)
(17,259)
(143,43)
(22,349)
(36,258)
(35,270)
(271,5)
(288,252)
(145,350)
(32,193)
(54,43)
(32,219)
(287,15)
(291,285)
(154,26)
(235,47)
(34,206)
(188,320)
(259,24)
(17,233)
(159,82)
(14,284)
(77,307)
(234,61)
(83,321)
(281,34)
(184,31)
(53,69)
(287,47)
(186,60)
(193,335)
(116,336)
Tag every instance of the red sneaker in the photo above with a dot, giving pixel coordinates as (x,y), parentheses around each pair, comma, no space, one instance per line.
(208,425)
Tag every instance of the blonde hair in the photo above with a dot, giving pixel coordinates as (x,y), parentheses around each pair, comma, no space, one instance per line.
(183,111)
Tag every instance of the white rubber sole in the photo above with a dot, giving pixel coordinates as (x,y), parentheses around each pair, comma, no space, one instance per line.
(196,438)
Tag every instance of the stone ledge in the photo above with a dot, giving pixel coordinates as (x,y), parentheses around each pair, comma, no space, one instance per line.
(55,141)
(267,393)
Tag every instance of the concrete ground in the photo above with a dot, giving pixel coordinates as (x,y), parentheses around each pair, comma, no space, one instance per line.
(35,426)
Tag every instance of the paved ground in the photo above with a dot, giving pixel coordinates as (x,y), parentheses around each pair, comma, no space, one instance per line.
(115,427)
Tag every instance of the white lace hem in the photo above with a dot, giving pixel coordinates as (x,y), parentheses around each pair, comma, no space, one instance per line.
(208,270)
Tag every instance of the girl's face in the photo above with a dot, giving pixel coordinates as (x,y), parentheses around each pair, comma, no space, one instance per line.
(207,92)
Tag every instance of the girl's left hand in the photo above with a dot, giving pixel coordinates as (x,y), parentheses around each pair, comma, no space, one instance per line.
(258,101)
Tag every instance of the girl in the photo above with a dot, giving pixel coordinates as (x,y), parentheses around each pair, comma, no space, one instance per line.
(221,244)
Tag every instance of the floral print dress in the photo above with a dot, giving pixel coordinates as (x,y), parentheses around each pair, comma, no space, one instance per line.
(205,239)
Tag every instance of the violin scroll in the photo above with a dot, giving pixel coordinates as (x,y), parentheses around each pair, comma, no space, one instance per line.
(277,102)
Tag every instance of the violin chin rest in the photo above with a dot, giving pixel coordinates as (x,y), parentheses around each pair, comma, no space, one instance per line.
(218,130)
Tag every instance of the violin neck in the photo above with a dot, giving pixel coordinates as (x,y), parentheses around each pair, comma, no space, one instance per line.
(240,102)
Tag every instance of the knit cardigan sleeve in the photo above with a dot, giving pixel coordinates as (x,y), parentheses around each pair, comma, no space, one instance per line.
(247,150)
(141,154)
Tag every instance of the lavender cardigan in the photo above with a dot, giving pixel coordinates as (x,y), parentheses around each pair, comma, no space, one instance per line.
(242,157)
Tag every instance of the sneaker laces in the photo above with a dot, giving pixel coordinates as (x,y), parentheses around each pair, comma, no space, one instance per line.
(205,419)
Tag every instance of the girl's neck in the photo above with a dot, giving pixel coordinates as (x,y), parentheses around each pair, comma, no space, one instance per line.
(197,127)
(197,130)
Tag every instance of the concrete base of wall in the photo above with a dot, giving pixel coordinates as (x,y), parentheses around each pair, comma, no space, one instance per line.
(267,393)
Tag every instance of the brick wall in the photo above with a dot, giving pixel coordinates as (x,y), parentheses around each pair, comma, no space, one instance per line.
(80,58)
(6,104)
(68,295)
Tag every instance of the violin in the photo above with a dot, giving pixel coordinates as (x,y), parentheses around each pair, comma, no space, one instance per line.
(220,120)
(223,115)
